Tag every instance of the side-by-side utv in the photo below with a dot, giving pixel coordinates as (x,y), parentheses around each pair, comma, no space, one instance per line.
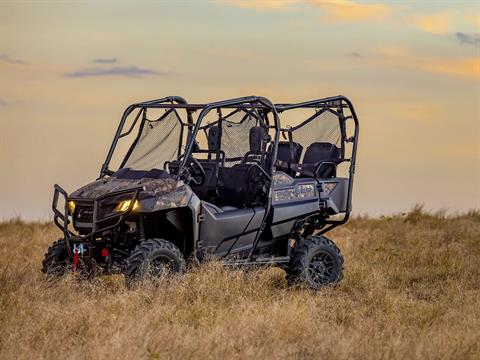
(242,180)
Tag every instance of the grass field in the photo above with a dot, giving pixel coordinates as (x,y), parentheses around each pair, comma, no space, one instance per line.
(411,290)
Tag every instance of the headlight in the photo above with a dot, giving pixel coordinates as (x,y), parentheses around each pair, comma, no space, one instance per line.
(71,206)
(125,205)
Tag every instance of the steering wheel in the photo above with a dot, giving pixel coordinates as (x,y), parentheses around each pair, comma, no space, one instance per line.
(195,172)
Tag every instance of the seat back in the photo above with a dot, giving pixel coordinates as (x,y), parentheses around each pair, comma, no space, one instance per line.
(207,190)
(289,153)
(214,138)
(240,186)
(319,152)
(257,142)
(256,139)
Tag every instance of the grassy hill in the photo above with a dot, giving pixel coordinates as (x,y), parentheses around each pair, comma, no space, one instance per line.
(411,290)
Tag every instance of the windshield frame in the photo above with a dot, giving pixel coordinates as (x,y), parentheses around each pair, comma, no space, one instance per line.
(172,100)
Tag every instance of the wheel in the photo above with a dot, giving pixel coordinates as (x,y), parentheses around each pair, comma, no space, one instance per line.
(316,262)
(152,259)
(56,261)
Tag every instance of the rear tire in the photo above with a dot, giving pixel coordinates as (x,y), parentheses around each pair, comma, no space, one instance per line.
(151,260)
(316,262)
(56,260)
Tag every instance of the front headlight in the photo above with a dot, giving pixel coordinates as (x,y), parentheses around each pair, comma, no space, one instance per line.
(125,205)
(71,207)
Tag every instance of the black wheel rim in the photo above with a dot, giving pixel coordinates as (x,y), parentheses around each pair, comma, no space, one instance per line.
(321,269)
(161,265)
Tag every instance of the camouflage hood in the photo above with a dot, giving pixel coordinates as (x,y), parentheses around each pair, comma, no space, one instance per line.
(156,193)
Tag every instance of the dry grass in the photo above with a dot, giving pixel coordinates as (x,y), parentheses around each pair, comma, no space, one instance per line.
(411,290)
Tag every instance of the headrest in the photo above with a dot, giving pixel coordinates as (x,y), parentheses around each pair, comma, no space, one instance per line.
(257,136)
(322,151)
(214,138)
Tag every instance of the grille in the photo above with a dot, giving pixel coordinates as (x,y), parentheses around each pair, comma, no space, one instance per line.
(84,214)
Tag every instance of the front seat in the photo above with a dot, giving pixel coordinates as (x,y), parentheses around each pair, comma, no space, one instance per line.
(257,139)
(242,184)
(288,156)
(208,189)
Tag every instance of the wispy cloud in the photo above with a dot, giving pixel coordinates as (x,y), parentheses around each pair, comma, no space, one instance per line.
(126,71)
(105,60)
(439,23)
(260,5)
(7,59)
(355,54)
(470,39)
(352,11)
(401,57)
(335,11)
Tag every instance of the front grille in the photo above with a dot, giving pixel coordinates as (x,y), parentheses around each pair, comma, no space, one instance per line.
(84,214)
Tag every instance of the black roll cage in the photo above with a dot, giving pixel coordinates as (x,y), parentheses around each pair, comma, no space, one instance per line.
(249,103)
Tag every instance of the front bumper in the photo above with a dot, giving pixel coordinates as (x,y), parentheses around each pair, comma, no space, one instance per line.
(99,223)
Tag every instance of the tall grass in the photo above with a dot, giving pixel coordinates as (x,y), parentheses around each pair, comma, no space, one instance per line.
(411,290)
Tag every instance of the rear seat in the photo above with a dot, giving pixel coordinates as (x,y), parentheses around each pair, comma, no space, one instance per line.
(321,160)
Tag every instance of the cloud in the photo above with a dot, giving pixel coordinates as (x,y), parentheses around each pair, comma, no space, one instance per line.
(400,57)
(127,71)
(105,60)
(470,39)
(336,11)
(355,55)
(260,5)
(3,102)
(7,59)
(436,24)
(351,11)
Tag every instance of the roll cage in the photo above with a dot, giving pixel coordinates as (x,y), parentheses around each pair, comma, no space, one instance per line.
(340,106)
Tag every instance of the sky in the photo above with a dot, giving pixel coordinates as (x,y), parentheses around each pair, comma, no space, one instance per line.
(411,68)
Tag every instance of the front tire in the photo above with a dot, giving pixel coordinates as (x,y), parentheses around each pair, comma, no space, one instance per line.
(153,259)
(316,262)
(56,261)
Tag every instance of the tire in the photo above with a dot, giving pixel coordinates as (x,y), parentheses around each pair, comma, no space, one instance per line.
(56,261)
(151,260)
(316,262)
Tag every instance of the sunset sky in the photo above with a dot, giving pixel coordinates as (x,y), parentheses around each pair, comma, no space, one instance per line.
(412,69)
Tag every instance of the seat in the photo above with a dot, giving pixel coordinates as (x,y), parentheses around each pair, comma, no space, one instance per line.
(321,160)
(240,186)
(207,190)
(288,156)
(257,138)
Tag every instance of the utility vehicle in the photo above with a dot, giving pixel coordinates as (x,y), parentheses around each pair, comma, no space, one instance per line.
(227,179)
